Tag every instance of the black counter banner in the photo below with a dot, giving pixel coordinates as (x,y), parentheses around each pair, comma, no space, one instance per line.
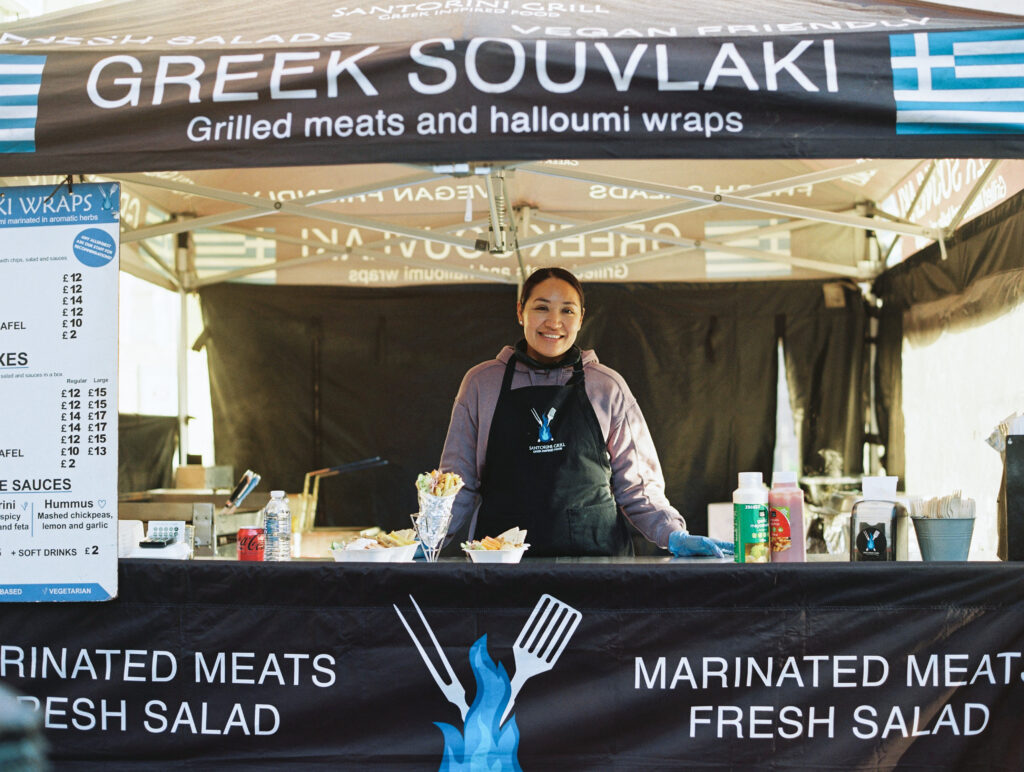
(219,665)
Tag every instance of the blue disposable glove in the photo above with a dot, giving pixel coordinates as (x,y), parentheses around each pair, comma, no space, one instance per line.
(685,545)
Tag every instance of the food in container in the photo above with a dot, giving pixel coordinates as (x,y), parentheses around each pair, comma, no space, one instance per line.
(438,483)
(506,547)
(390,555)
(435,492)
(513,555)
(402,538)
(359,544)
(392,547)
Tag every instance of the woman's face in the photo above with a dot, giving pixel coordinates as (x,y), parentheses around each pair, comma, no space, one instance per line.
(551,319)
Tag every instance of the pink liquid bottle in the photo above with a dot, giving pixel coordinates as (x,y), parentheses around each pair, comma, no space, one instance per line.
(786,519)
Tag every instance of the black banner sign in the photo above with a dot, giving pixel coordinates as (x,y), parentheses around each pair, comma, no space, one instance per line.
(904,93)
(598,666)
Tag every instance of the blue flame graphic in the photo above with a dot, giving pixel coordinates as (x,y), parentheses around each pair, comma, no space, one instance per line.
(486,746)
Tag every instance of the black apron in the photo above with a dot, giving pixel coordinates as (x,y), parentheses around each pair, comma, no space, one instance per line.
(547,470)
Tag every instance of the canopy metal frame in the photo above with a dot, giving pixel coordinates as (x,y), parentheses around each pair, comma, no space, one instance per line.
(507,224)
(144,262)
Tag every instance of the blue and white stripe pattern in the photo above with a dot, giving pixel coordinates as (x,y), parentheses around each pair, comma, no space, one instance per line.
(959,82)
(20,80)
(730,265)
(218,252)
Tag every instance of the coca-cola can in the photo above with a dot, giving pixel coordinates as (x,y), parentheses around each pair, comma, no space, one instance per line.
(250,543)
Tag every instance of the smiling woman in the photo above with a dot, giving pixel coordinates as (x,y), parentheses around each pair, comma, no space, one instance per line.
(548,439)
(551,313)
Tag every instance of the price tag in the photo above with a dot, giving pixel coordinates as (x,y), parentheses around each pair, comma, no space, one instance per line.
(58,387)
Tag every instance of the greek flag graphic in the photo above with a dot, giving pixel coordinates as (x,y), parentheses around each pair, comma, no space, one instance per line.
(20,79)
(959,82)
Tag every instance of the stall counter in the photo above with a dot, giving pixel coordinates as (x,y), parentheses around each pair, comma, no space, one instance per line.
(610,664)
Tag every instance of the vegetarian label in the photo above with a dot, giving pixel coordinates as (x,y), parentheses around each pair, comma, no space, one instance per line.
(58,383)
(750,523)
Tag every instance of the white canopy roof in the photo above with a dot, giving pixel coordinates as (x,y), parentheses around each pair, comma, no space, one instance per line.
(456,140)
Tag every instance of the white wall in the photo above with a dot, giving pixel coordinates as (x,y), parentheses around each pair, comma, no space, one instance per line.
(148,356)
(956,390)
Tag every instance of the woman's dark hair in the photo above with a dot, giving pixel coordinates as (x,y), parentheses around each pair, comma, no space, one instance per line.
(542,274)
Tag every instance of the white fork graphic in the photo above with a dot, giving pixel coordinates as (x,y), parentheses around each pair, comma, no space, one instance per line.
(452,687)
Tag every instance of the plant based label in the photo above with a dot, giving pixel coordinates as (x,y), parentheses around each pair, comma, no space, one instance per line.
(750,525)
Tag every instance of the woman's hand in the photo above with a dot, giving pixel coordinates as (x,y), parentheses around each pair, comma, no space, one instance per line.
(685,545)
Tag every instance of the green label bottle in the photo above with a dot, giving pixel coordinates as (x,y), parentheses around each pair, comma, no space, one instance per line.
(750,519)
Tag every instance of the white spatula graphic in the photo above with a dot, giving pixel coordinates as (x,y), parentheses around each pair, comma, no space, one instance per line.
(541,642)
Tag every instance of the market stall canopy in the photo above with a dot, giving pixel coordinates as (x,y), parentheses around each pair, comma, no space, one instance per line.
(458,140)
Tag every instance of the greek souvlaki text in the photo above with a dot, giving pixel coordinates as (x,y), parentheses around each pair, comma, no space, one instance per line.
(484,65)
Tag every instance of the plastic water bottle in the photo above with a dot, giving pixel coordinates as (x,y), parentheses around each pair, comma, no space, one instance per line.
(277,525)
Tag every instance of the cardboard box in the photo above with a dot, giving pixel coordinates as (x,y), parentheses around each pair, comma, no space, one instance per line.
(191,476)
(198,477)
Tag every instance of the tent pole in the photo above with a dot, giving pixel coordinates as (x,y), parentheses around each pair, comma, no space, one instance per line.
(872,445)
(183,378)
(182,266)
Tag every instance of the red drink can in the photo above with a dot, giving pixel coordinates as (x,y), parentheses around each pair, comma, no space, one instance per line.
(250,543)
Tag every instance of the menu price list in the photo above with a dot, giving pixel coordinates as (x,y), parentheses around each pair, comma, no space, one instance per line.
(84,423)
(72,306)
(58,452)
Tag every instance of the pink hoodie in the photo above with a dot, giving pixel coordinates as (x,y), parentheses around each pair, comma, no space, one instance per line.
(637,481)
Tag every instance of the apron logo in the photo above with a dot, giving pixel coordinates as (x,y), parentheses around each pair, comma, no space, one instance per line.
(544,434)
(490,739)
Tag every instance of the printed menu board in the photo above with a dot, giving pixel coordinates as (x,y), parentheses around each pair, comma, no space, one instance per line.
(58,389)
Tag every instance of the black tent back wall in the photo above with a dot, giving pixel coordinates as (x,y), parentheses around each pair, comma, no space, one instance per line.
(889,391)
(700,359)
(146,446)
(390,363)
(825,359)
